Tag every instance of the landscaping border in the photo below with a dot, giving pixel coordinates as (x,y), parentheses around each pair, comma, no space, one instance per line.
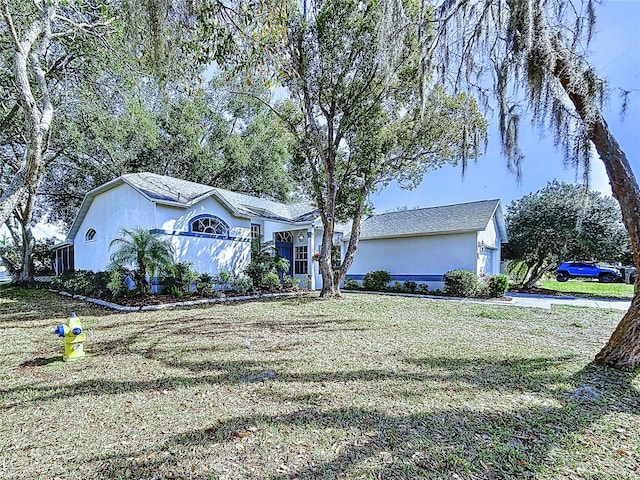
(506,300)
(186,303)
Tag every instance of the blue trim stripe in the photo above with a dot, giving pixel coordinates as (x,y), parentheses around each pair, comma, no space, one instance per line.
(177,233)
(403,278)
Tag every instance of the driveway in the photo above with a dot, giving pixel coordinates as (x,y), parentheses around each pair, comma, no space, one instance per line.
(546,301)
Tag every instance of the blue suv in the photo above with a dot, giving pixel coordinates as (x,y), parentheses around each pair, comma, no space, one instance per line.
(569,270)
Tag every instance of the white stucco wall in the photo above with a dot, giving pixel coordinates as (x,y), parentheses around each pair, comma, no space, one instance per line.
(426,255)
(123,206)
(489,257)
(119,207)
(208,255)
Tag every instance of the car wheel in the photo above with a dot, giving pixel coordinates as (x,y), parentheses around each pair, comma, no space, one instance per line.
(607,278)
(562,277)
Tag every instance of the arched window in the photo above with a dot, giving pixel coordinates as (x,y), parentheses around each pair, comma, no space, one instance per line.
(90,235)
(286,237)
(209,224)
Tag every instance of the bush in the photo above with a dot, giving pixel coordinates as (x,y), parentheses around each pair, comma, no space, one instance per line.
(241,283)
(423,288)
(497,285)
(351,284)
(80,283)
(224,280)
(290,282)
(397,286)
(204,285)
(376,280)
(410,286)
(180,282)
(271,281)
(115,283)
(461,283)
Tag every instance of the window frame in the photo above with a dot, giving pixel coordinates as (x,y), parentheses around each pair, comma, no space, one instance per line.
(284,237)
(90,235)
(255,231)
(212,218)
(301,259)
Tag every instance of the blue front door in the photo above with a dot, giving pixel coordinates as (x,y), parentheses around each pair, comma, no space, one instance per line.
(285,250)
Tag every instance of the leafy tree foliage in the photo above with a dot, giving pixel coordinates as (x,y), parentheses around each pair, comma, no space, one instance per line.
(539,48)
(564,222)
(213,137)
(147,252)
(356,114)
(11,256)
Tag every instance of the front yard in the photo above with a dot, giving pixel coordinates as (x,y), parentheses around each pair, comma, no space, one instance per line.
(363,387)
(589,288)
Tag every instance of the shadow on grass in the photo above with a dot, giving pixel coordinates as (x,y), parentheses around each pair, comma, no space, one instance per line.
(484,442)
(19,307)
(41,361)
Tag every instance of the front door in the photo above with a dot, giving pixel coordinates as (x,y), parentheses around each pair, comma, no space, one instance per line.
(285,250)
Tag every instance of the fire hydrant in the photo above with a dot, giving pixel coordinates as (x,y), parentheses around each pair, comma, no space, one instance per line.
(73,338)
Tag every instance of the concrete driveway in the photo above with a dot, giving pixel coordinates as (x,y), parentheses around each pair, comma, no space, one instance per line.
(546,301)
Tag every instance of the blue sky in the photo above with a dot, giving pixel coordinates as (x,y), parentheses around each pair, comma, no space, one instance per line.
(615,52)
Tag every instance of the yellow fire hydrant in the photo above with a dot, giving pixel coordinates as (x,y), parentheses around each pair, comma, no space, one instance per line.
(73,338)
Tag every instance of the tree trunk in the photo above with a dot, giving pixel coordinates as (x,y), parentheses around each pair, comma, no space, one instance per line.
(29,51)
(537,274)
(330,288)
(623,348)
(27,272)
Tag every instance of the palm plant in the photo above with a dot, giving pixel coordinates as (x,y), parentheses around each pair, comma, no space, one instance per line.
(149,253)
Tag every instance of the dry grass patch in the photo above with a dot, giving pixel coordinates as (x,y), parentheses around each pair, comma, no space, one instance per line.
(364,387)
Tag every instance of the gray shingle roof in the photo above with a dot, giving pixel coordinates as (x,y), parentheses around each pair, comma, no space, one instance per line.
(183,193)
(162,189)
(462,217)
(263,208)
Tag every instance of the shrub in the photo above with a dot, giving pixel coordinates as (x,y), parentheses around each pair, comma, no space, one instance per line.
(57,282)
(204,285)
(460,283)
(241,283)
(183,276)
(115,282)
(100,282)
(290,282)
(351,284)
(81,282)
(397,286)
(271,281)
(497,285)
(376,280)
(423,288)
(410,286)
(224,280)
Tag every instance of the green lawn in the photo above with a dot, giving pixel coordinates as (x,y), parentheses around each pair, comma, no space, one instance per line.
(591,288)
(365,387)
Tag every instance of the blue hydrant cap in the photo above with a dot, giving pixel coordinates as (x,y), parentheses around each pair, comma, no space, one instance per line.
(76,331)
(59,330)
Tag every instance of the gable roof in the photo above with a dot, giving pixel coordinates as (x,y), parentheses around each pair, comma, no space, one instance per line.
(172,191)
(446,219)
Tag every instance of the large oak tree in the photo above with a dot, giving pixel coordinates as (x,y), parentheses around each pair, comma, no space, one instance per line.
(539,46)
(357,113)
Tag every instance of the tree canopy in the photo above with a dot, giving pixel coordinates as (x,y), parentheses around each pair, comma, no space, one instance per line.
(356,115)
(211,136)
(539,48)
(564,222)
